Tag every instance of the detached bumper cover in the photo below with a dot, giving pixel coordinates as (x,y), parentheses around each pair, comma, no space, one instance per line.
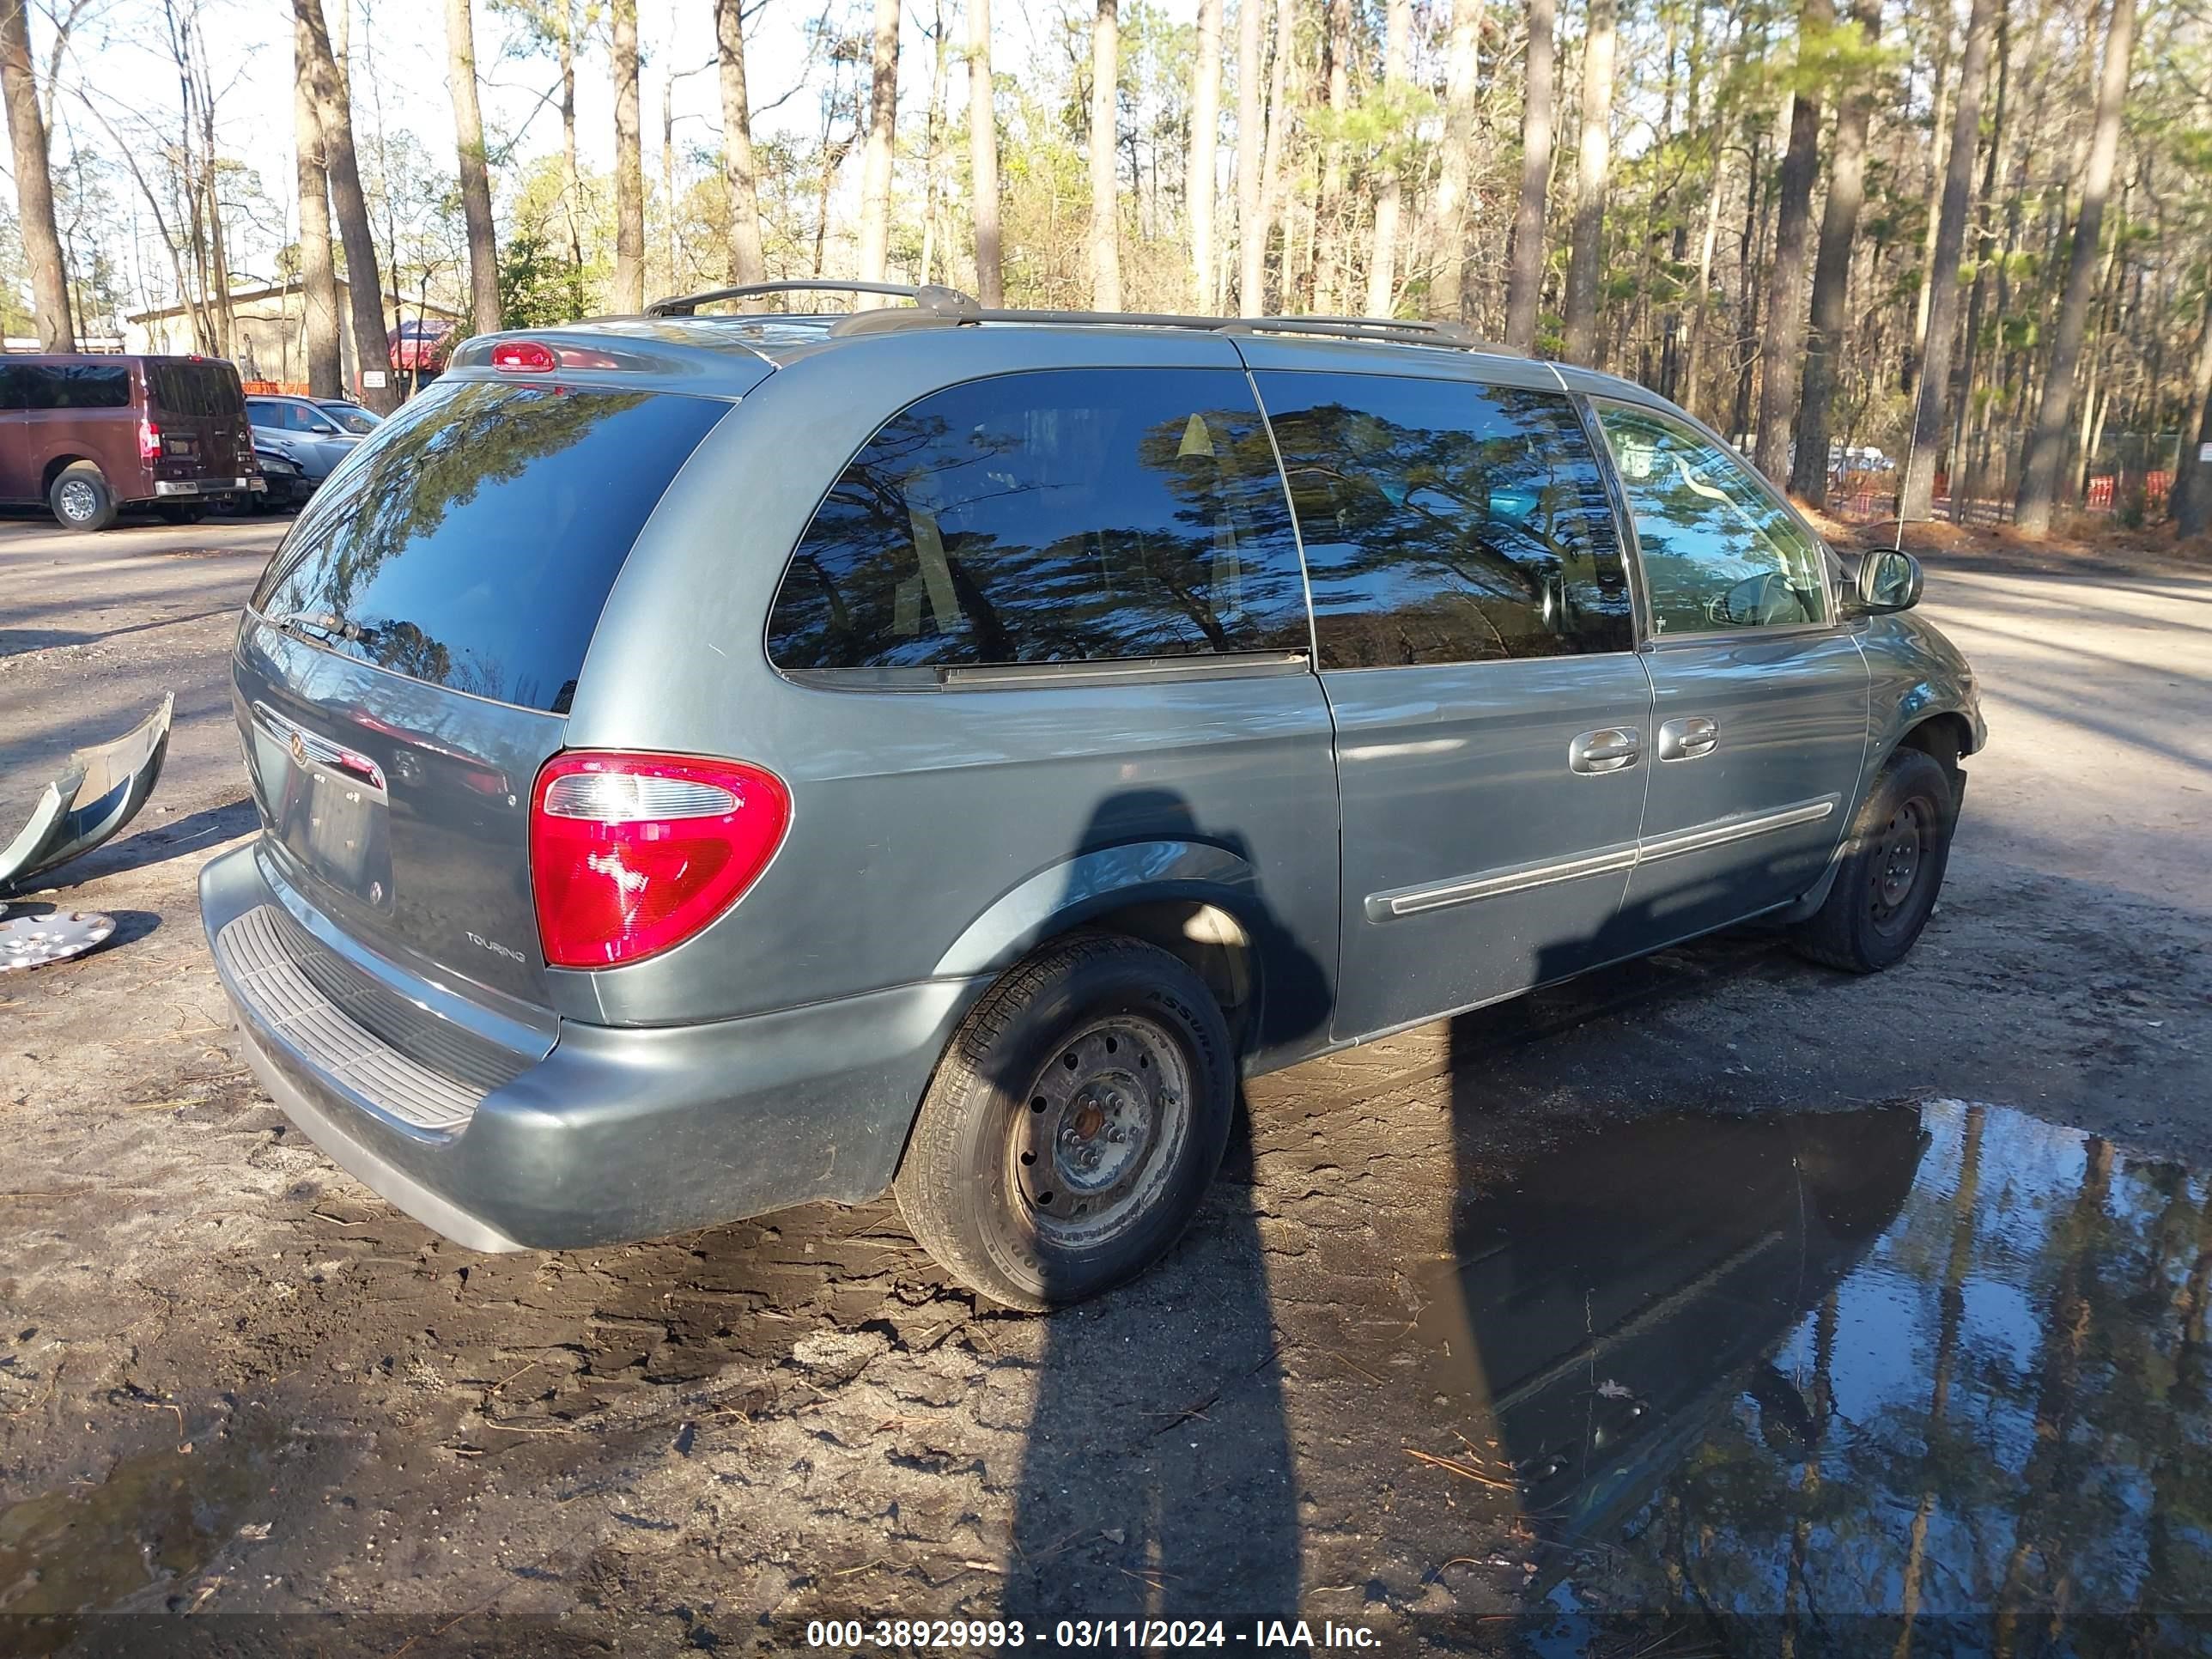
(99,790)
(614,1135)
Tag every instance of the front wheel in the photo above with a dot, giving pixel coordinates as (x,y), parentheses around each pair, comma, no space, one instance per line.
(1073,1124)
(1893,869)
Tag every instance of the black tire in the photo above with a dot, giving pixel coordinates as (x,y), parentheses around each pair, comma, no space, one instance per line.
(80,497)
(181,512)
(1893,869)
(1058,1152)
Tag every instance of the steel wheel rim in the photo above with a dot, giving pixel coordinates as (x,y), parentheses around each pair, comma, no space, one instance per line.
(1900,857)
(1100,1130)
(78,499)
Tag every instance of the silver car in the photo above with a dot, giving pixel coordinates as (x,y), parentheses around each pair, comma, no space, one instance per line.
(312,436)
(709,763)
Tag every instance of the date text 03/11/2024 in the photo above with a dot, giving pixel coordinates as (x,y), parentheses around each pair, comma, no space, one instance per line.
(861,1636)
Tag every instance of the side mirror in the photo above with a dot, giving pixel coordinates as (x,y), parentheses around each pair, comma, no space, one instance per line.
(1888,581)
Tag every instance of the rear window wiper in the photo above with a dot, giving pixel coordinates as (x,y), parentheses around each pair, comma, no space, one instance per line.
(298,622)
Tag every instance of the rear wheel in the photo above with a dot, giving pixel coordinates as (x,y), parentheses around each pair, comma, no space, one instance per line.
(1892,872)
(80,498)
(1073,1124)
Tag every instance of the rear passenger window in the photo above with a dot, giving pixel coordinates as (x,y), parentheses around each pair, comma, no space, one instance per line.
(1063,515)
(1445,521)
(66,385)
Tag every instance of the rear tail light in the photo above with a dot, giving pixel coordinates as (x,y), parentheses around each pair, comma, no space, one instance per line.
(632,854)
(149,442)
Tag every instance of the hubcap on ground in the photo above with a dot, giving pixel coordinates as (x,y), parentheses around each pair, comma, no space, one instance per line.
(1105,1119)
(1898,857)
(79,500)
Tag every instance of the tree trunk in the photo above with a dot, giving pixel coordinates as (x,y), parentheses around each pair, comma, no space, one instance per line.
(1251,228)
(2193,475)
(1525,283)
(364,281)
(319,290)
(1929,417)
(1934,213)
(1105,197)
(1383,264)
(1272,162)
(1205,146)
(1832,276)
(1784,346)
(475,182)
(1978,296)
(983,155)
(1449,299)
(1593,170)
(572,181)
(745,261)
(35,190)
(881,151)
(1328,270)
(2046,449)
(629,163)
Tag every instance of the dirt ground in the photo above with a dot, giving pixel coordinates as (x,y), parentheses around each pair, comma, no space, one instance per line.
(235,1386)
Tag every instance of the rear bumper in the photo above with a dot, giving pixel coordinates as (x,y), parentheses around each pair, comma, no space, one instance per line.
(617,1134)
(171,487)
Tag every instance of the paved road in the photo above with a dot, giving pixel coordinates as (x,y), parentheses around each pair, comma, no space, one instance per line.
(795,1418)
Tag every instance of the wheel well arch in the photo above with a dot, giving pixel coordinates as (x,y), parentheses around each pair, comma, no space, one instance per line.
(1207,936)
(56,467)
(1944,738)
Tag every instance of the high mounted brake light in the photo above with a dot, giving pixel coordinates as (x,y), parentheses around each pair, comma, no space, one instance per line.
(632,854)
(525,356)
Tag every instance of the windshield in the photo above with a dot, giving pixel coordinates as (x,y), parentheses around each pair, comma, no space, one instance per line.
(349,418)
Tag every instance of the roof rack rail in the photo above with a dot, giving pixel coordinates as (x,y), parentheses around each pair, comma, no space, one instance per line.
(947,304)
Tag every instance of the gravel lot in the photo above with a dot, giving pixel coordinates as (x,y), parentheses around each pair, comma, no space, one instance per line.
(234,1385)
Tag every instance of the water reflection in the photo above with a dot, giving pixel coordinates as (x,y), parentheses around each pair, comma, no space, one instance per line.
(1887,1382)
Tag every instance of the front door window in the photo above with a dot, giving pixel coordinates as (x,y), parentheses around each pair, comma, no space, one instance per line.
(1719,551)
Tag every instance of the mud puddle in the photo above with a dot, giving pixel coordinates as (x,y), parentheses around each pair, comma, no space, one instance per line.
(1796,1382)
(156,1521)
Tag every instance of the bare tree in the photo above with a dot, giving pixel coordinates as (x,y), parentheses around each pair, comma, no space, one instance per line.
(739,179)
(1593,178)
(1272,167)
(1942,276)
(1785,345)
(1525,284)
(983,154)
(1251,231)
(876,160)
(476,183)
(1447,295)
(629,163)
(1328,266)
(364,282)
(1205,144)
(1382,265)
(2047,445)
(318,287)
(2193,475)
(35,190)
(1831,276)
(1105,204)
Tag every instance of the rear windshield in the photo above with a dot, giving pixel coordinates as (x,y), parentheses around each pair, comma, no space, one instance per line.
(472,539)
(200,389)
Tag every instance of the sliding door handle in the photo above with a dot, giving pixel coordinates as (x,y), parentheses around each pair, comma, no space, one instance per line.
(1608,749)
(1686,739)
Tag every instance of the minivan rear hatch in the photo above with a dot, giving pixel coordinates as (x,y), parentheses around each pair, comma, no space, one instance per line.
(408,662)
(197,408)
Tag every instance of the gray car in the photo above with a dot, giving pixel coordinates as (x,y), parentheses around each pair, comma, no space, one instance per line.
(313,438)
(710,763)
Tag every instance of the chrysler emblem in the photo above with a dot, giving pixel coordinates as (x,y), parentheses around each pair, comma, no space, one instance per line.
(300,747)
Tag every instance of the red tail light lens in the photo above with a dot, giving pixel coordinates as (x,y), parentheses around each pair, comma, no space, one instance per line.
(149,442)
(528,356)
(632,854)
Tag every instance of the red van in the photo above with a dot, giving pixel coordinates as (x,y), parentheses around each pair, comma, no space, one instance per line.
(88,436)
